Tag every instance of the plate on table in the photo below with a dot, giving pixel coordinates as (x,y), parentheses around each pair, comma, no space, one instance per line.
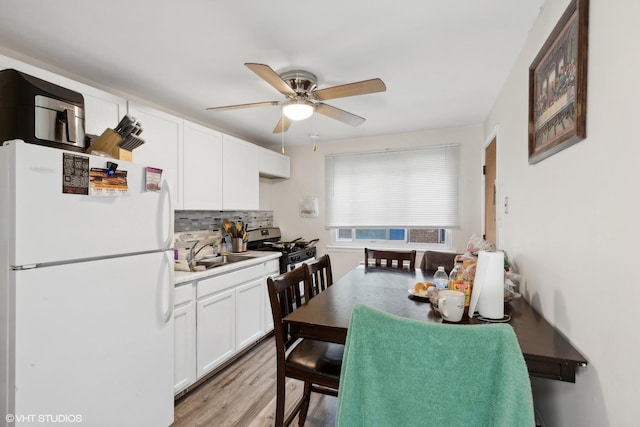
(418,296)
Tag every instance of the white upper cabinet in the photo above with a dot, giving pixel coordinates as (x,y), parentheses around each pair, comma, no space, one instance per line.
(102,111)
(163,138)
(240,178)
(272,164)
(206,170)
(201,168)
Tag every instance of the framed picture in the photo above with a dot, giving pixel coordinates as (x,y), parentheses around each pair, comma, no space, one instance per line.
(558,86)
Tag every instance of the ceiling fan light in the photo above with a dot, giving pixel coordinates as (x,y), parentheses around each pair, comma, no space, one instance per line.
(297,110)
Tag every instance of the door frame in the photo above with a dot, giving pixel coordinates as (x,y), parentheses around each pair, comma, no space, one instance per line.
(494,134)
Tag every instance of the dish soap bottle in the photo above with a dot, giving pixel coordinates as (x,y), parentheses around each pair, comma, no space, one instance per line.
(440,279)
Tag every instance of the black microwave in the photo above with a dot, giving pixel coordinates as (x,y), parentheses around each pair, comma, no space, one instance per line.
(40,112)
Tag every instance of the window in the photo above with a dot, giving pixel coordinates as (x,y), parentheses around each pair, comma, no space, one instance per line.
(408,196)
(428,236)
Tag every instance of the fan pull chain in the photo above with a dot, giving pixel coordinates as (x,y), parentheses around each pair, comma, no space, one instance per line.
(314,138)
(282,133)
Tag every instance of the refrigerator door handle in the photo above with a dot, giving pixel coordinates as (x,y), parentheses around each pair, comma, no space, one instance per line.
(166,213)
(167,285)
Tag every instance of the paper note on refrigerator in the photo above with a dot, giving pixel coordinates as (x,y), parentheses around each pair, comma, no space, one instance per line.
(75,176)
(107,183)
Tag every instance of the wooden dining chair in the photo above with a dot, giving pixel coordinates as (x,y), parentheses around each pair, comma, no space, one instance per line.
(391,363)
(321,275)
(400,257)
(432,259)
(316,363)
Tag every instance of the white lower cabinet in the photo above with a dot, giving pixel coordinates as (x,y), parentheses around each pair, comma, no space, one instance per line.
(217,317)
(215,341)
(184,341)
(271,269)
(249,309)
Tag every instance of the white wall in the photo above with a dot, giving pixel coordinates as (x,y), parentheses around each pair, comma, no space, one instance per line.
(266,188)
(572,226)
(307,179)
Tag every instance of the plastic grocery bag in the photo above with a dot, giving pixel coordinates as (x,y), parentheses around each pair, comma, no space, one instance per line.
(477,244)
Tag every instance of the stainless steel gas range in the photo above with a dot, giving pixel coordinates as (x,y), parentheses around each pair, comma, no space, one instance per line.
(294,252)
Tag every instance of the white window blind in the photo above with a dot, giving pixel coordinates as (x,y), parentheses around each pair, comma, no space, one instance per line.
(406,188)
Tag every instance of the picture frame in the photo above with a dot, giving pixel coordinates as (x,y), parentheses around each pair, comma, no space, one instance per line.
(558,86)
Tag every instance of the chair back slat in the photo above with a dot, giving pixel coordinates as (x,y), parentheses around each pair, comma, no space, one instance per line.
(285,296)
(321,275)
(392,259)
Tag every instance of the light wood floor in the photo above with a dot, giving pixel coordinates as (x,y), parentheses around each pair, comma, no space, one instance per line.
(244,394)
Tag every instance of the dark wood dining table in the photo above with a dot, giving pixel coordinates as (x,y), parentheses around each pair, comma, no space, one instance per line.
(547,353)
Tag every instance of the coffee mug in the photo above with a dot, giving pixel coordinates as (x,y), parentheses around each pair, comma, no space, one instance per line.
(451,305)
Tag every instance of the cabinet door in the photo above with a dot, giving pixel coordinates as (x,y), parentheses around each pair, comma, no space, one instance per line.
(241,185)
(249,309)
(272,269)
(162,134)
(102,111)
(216,330)
(272,164)
(184,342)
(202,168)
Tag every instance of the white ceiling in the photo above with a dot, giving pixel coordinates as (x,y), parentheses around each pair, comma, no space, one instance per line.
(443,62)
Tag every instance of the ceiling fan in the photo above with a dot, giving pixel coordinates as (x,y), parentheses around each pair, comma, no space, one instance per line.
(303,98)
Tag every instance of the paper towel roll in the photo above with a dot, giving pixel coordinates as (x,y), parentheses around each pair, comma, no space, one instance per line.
(487,297)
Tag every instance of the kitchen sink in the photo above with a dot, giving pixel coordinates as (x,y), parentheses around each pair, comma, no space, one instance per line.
(221,260)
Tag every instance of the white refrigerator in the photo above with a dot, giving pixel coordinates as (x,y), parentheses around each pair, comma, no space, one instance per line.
(86,294)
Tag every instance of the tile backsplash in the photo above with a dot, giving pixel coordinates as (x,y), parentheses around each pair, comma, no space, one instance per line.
(210,220)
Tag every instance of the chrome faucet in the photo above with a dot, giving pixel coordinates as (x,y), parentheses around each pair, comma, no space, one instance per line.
(192,255)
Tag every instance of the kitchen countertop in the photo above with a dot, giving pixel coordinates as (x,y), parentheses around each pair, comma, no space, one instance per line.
(253,258)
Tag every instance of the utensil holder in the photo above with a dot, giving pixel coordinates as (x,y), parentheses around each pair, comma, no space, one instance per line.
(237,245)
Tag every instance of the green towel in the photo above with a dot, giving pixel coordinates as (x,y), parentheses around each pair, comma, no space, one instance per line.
(399,372)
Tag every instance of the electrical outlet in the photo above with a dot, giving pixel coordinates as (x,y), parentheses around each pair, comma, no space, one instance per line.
(506,204)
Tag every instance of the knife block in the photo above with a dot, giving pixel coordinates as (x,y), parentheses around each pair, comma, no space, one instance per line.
(108,143)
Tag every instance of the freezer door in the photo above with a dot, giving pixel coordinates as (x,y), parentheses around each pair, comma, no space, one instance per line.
(51,226)
(95,340)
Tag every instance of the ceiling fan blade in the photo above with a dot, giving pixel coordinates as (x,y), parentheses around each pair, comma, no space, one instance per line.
(351,89)
(283,124)
(238,106)
(267,74)
(338,114)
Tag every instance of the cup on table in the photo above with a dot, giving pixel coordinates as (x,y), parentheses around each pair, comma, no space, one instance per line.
(451,305)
